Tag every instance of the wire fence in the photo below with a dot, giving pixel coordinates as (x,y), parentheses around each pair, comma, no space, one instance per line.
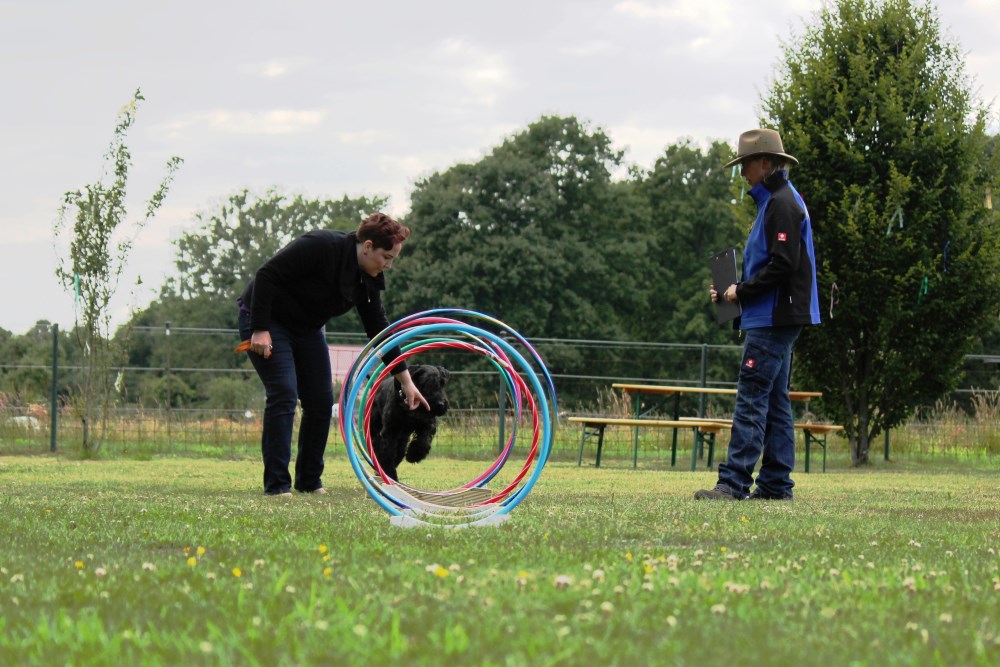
(154,424)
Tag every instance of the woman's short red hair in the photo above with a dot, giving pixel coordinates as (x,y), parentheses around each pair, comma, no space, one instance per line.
(383,231)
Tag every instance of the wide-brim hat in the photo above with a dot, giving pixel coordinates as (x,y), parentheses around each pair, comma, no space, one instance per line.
(759,142)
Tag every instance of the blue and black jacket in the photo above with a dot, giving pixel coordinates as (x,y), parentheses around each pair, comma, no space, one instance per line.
(779,264)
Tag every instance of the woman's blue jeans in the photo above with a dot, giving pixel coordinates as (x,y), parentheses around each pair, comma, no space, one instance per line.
(298,371)
(763,423)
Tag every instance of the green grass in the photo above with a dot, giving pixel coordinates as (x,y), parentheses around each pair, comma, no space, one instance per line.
(183,561)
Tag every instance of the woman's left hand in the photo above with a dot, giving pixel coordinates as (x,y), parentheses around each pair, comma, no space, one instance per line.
(413,396)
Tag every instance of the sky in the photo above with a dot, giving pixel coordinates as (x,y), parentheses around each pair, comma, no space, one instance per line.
(329,98)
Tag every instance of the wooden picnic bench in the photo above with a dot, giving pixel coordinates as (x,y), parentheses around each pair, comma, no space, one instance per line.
(665,391)
(812,434)
(595,426)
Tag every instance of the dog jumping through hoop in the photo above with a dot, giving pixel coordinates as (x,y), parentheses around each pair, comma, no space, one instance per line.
(398,432)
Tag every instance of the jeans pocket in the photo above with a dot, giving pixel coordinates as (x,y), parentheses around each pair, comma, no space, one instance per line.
(757,370)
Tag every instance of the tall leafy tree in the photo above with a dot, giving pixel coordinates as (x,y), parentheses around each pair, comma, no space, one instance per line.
(94,220)
(875,102)
(535,233)
(538,234)
(694,213)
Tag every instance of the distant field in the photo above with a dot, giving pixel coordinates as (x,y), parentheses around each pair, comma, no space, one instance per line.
(182,561)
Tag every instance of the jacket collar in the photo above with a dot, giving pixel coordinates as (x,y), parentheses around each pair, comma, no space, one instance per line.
(763,190)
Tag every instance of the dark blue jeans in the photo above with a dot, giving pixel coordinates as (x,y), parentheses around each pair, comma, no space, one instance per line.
(298,371)
(763,423)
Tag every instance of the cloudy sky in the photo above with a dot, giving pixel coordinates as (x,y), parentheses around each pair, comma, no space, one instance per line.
(330,97)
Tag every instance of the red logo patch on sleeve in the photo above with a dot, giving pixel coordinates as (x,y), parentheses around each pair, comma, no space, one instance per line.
(750,363)
(782,236)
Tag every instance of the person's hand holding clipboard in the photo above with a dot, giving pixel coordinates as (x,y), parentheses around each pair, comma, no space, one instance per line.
(724,275)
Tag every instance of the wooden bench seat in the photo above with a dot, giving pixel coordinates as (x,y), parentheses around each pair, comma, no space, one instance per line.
(812,434)
(595,426)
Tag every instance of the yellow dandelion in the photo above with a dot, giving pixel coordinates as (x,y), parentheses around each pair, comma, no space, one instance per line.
(187,550)
(322,548)
(440,572)
(522,574)
(78,564)
(628,556)
(327,571)
(723,549)
(237,572)
(744,519)
(201,551)
(192,561)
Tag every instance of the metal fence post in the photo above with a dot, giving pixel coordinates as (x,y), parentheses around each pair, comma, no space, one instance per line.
(54,407)
(169,400)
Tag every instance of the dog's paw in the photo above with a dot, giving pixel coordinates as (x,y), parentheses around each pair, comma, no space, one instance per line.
(418,451)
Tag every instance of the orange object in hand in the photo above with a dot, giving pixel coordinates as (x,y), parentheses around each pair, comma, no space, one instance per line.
(244,346)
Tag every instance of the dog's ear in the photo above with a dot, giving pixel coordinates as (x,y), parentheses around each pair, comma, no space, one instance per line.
(445,375)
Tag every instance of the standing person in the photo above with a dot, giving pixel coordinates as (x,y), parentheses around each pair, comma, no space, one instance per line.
(283,313)
(778,297)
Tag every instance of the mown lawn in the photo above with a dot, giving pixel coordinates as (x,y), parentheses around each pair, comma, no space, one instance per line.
(183,562)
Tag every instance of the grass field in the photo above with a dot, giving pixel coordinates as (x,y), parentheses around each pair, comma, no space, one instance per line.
(182,561)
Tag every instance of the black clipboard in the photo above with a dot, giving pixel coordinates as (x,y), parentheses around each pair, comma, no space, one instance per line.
(724,275)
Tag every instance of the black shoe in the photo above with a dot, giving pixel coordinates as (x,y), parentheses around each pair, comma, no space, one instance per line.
(720,492)
(757,495)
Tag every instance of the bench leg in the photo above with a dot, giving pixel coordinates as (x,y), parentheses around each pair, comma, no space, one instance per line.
(695,445)
(808,438)
(600,445)
(711,449)
(584,434)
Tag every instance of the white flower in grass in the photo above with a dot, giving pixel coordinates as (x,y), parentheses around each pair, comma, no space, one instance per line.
(563,581)
(206,647)
(719,609)
(148,567)
(290,590)
(910,583)
(738,589)
(100,572)
(672,621)
(607,608)
(648,586)
(563,631)
(598,575)
(914,543)
(360,630)
(17,579)
(945,618)
(321,625)
(834,572)
(911,626)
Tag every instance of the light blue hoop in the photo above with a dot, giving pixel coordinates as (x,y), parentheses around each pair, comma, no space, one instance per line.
(436,324)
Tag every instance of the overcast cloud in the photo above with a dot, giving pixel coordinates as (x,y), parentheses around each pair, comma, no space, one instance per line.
(334,98)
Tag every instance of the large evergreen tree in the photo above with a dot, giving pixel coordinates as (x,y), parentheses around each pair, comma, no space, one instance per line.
(876,104)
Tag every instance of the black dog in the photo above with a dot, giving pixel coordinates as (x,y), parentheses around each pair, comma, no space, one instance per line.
(393,423)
